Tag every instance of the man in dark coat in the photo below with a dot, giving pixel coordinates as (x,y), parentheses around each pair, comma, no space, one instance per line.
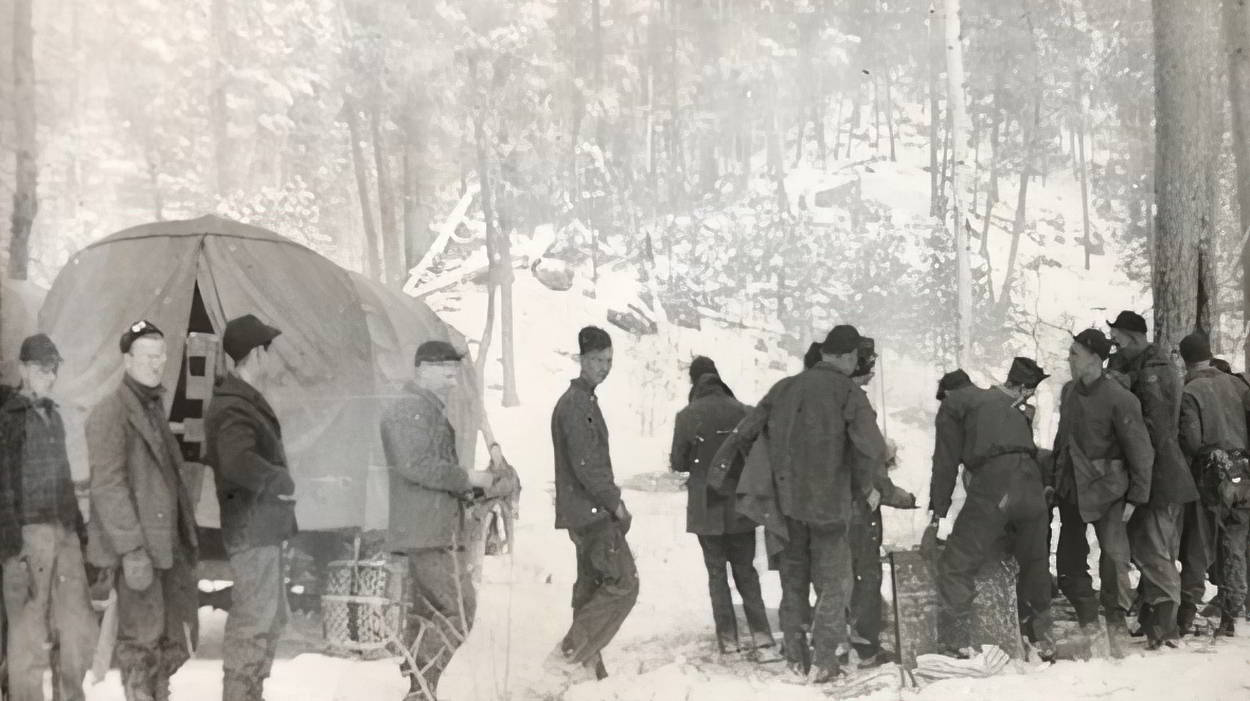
(1155,530)
(1103,463)
(41,538)
(143,520)
(702,365)
(428,493)
(1214,408)
(589,507)
(991,435)
(726,537)
(825,449)
(257,498)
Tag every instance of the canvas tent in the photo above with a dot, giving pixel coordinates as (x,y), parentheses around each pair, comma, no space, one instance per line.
(347,344)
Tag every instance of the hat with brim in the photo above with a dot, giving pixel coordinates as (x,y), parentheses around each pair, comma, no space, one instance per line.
(1129,321)
(39,349)
(1094,341)
(245,333)
(1025,372)
(437,352)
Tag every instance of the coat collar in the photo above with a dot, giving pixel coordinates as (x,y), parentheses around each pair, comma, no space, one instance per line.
(1203,373)
(18,401)
(234,386)
(138,416)
(416,390)
(582,384)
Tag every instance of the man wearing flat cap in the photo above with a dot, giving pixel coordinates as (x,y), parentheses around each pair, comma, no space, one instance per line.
(1155,530)
(1213,434)
(428,493)
(826,452)
(142,524)
(991,435)
(256,494)
(41,538)
(1103,463)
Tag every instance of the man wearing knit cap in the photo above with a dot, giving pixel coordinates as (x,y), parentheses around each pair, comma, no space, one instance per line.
(702,365)
(954,380)
(142,524)
(41,530)
(1101,474)
(1155,530)
(590,508)
(243,441)
(991,435)
(825,450)
(1213,435)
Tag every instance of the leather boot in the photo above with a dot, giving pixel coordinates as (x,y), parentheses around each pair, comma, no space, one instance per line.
(1228,626)
(137,685)
(1185,616)
(1163,625)
(798,654)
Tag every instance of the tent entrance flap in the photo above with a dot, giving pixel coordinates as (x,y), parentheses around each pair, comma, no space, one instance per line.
(200,366)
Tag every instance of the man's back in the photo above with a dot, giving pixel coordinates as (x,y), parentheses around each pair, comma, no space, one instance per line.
(1214,407)
(818,418)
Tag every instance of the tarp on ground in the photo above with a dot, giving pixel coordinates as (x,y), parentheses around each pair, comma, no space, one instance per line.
(347,344)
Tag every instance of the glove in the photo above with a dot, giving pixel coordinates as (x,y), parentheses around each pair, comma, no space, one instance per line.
(281,485)
(929,541)
(17,577)
(625,518)
(137,569)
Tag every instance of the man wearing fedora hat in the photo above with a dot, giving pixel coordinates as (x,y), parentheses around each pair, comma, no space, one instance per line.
(257,497)
(1155,529)
(1102,470)
(992,436)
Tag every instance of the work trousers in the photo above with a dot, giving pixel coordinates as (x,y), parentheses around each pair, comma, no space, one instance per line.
(815,557)
(443,606)
(157,628)
(258,614)
(50,620)
(734,553)
(1072,557)
(604,593)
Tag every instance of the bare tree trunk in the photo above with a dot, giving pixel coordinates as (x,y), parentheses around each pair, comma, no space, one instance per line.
(392,253)
(1080,144)
(1183,158)
(25,196)
(1028,133)
(217,97)
(991,189)
(416,219)
(935,114)
(889,113)
(958,107)
(360,165)
(1237,44)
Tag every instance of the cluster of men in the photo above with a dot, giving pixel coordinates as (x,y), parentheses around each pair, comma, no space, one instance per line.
(1155,462)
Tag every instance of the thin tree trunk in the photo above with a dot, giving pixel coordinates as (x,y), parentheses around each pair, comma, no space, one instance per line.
(991,189)
(876,115)
(934,32)
(360,165)
(1029,136)
(958,103)
(217,97)
(1080,144)
(889,113)
(25,196)
(1184,157)
(392,252)
(837,128)
(488,214)
(1236,23)
(416,220)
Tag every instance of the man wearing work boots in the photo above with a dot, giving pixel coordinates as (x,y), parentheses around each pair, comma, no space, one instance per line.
(142,524)
(589,507)
(992,436)
(50,621)
(1155,530)
(428,492)
(825,450)
(1102,469)
(257,498)
(1213,435)
(726,537)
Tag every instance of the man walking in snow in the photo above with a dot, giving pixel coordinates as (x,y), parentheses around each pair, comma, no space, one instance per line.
(257,498)
(428,493)
(1103,463)
(589,506)
(825,449)
(142,523)
(991,435)
(1155,529)
(726,537)
(41,538)
(1213,434)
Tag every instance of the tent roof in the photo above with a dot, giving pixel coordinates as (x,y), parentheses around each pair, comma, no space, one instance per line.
(208,225)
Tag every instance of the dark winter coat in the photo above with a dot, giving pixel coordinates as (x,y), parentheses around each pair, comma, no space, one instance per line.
(51,501)
(1157,385)
(586,490)
(1104,421)
(824,444)
(975,426)
(698,432)
(1214,407)
(138,497)
(428,486)
(244,449)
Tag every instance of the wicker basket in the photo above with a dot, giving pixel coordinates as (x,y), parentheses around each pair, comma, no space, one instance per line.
(364,607)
